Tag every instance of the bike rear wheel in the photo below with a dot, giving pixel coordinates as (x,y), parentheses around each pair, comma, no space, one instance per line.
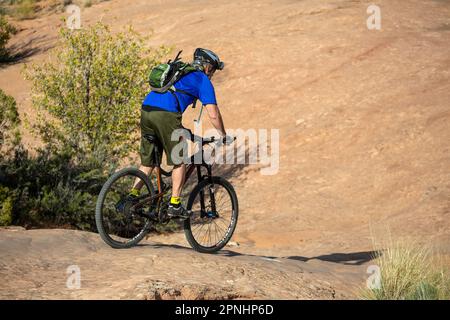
(119,224)
(209,230)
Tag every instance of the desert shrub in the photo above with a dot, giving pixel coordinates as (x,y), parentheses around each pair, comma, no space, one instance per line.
(409,272)
(88,100)
(9,121)
(9,137)
(24,9)
(6,206)
(6,30)
(93,87)
(48,190)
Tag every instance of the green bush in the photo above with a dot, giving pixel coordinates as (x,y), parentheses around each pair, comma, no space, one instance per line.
(9,137)
(6,206)
(9,121)
(20,9)
(47,190)
(6,30)
(93,88)
(88,99)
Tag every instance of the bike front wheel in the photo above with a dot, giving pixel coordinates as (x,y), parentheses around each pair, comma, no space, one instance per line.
(214,207)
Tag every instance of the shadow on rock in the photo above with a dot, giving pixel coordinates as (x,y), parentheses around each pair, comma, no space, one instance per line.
(353,258)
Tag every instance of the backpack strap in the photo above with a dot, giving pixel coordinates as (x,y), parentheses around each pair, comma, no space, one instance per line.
(173,90)
(178,101)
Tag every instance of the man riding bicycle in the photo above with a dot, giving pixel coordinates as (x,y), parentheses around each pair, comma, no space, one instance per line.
(162,112)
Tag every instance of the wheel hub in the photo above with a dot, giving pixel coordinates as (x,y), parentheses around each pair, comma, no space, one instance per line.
(211,214)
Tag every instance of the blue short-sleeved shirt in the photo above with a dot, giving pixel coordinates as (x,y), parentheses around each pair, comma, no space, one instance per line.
(196,83)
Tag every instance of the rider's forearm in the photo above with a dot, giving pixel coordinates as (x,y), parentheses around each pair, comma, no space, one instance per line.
(218,124)
(216,118)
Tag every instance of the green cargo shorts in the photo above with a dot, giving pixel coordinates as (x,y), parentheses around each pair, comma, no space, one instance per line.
(161,124)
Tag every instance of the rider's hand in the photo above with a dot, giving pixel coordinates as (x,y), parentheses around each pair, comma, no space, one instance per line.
(227,140)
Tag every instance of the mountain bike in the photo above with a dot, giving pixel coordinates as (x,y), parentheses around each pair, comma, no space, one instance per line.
(212,204)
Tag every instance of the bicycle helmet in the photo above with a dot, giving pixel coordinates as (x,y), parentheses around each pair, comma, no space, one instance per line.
(202,56)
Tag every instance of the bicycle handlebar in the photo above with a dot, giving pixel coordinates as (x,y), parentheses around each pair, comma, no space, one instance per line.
(206,141)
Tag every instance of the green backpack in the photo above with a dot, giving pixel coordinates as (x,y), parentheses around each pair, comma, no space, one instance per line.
(163,77)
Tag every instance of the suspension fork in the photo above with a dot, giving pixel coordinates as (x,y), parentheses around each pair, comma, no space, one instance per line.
(211,190)
(202,194)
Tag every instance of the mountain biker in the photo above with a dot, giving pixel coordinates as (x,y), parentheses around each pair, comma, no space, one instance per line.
(162,112)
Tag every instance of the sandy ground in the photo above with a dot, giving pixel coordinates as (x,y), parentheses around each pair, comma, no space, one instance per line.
(34,265)
(363,118)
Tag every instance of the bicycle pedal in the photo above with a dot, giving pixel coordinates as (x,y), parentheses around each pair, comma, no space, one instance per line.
(189,214)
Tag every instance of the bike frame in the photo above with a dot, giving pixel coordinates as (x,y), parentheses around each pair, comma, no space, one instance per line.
(161,190)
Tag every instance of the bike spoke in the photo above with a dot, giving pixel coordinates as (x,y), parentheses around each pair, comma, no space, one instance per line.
(223,196)
(200,229)
(204,236)
(223,202)
(224,223)
(219,227)
(217,233)
(200,226)
(209,232)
